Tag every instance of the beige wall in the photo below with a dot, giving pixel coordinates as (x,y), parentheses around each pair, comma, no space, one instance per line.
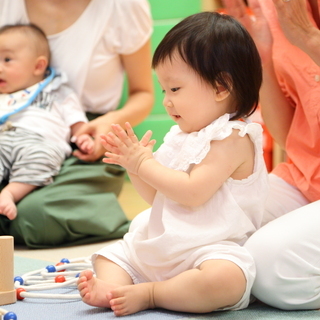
(209,5)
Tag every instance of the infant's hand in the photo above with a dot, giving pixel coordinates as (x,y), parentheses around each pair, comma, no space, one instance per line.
(85,143)
(125,149)
(108,143)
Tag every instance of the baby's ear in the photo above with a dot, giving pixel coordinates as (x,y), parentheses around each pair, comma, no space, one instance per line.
(41,65)
(221,92)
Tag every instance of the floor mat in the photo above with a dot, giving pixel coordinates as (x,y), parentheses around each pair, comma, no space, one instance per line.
(53,309)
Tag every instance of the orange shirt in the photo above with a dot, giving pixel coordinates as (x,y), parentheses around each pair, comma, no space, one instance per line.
(299,78)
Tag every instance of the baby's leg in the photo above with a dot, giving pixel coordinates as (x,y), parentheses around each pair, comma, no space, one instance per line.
(215,284)
(10,195)
(94,290)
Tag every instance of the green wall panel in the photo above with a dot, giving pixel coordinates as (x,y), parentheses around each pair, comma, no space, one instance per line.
(160,29)
(169,9)
(158,124)
(158,107)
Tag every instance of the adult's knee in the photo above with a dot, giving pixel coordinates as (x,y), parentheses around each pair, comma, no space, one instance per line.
(266,254)
(287,264)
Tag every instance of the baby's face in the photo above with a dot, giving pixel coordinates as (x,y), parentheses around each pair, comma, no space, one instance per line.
(189,100)
(17,62)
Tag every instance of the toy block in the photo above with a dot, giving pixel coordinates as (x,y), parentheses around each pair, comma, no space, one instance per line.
(7,291)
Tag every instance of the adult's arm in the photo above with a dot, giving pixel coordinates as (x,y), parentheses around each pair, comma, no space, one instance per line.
(276,110)
(136,108)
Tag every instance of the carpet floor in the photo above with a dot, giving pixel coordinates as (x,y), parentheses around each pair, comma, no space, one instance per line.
(54,309)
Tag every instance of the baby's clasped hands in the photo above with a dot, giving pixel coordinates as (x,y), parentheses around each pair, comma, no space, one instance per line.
(124,148)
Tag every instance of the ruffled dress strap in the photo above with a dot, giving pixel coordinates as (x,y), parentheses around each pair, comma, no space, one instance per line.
(181,149)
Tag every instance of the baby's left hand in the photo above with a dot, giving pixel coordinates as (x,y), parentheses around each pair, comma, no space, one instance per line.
(85,143)
(125,149)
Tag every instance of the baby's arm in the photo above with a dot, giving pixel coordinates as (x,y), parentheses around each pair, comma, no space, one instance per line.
(84,142)
(146,191)
(231,157)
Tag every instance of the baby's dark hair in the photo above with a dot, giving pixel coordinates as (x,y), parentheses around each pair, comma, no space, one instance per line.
(222,52)
(31,30)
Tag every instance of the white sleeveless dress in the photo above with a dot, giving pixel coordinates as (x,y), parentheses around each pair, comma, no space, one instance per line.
(170,238)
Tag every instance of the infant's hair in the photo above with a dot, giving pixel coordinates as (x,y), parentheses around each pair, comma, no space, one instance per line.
(221,51)
(34,33)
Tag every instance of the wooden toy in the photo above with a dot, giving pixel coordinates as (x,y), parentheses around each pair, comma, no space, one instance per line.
(7,290)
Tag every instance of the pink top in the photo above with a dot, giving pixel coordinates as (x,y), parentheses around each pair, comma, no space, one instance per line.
(299,78)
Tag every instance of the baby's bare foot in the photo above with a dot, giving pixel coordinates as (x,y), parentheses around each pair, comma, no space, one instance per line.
(94,291)
(131,299)
(7,207)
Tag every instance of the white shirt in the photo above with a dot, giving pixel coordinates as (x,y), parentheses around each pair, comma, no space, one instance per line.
(52,113)
(88,51)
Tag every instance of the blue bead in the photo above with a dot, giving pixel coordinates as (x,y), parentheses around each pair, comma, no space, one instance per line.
(19,279)
(10,316)
(51,268)
(77,275)
(65,260)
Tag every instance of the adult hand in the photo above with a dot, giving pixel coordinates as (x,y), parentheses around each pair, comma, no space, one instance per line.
(125,149)
(297,26)
(255,22)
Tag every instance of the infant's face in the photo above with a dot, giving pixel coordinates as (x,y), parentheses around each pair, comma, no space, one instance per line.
(189,100)
(17,62)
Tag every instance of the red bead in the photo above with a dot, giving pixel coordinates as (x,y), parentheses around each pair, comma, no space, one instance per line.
(18,291)
(59,279)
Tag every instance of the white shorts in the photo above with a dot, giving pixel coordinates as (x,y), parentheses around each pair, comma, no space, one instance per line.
(223,251)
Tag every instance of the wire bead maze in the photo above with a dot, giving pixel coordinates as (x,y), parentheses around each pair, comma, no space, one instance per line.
(64,274)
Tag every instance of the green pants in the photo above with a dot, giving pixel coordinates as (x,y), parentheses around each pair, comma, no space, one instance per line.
(79,207)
